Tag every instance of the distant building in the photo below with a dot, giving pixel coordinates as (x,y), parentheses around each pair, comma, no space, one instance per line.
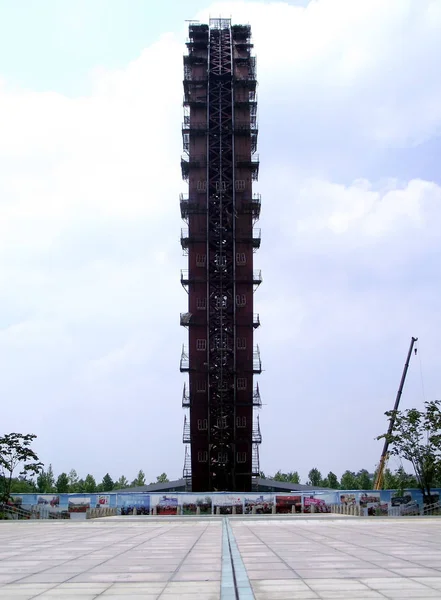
(261,485)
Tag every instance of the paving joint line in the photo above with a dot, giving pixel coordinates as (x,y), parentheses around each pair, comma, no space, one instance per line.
(390,569)
(175,572)
(281,559)
(235,584)
(90,568)
(323,543)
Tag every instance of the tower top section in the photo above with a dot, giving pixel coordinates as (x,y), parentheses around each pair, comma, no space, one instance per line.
(220,23)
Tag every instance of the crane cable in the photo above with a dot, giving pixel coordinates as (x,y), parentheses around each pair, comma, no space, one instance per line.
(421,374)
(423,392)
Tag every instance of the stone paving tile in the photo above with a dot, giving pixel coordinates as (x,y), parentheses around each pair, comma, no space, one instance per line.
(261,574)
(361,558)
(130,594)
(17,596)
(190,586)
(200,575)
(403,592)
(120,577)
(285,595)
(285,559)
(135,588)
(69,595)
(433,582)
(321,585)
(352,594)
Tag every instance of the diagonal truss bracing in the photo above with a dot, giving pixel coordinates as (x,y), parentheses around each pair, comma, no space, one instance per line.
(220,265)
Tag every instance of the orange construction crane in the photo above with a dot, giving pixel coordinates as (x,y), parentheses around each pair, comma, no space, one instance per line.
(378,485)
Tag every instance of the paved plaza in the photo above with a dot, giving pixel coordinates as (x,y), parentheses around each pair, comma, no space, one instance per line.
(211,558)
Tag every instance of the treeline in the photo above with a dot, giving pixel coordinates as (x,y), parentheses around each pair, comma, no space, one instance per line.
(416,438)
(350,480)
(46,483)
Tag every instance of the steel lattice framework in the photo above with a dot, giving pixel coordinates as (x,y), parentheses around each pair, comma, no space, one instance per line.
(220,135)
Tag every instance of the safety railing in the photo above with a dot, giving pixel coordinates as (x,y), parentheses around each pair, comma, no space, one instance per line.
(432,509)
(185,318)
(186,436)
(257,401)
(257,436)
(257,363)
(185,397)
(185,361)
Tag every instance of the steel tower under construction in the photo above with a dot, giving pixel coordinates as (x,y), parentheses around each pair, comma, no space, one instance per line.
(221,431)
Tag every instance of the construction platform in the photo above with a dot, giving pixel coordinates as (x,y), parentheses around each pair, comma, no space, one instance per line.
(226,558)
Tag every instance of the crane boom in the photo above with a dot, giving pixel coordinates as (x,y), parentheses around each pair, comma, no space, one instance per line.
(380,473)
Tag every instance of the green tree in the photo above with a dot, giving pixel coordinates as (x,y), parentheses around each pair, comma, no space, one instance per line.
(139,480)
(416,437)
(290,477)
(46,481)
(404,481)
(348,481)
(107,483)
(62,484)
(390,481)
(122,483)
(162,478)
(315,477)
(89,484)
(331,481)
(363,479)
(16,453)
(80,486)
(21,485)
(73,481)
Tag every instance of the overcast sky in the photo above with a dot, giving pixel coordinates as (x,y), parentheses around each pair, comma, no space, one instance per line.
(90,143)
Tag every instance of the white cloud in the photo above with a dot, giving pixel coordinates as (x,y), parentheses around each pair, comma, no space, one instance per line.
(90,257)
(359,209)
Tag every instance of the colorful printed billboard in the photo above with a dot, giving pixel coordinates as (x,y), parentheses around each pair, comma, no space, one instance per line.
(167,505)
(127,502)
(262,505)
(191,502)
(284,503)
(225,502)
(78,504)
(48,500)
(319,505)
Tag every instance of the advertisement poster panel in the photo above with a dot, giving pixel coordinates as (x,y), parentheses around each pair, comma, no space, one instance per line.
(262,505)
(103,500)
(191,502)
(127,502)
(49,500)
(284,504)
(348,499)
(225,502)
(78,504)
(373,505)
(165,504)
(328,497)
(405,503)
(16,500)
(318,503)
